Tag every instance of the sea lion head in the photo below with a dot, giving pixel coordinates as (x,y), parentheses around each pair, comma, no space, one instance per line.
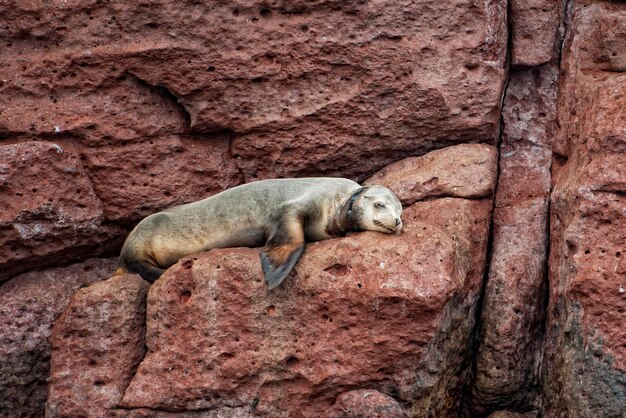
(378,209)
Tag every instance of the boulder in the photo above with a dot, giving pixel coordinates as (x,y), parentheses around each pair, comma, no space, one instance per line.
(48,207)
(96,346)
(465,170)
(357,312)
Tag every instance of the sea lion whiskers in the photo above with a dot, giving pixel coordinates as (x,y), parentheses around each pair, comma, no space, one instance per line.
(379,223)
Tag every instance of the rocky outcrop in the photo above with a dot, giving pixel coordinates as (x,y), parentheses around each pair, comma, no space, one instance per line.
(508,361)
(97,344)
(48,206)
(112,111)
(585,361)
(194,98)
(126,109)
(392,313)
(29,305)
(459,171)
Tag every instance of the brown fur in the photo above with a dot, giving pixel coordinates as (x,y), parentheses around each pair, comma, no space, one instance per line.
(281,213)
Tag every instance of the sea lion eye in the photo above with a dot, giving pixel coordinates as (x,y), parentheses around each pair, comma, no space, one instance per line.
(379,205)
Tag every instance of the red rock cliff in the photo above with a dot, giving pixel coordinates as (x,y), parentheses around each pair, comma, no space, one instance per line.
(499,124)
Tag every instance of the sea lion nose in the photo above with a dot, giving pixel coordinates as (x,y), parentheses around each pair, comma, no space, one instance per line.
(398,221)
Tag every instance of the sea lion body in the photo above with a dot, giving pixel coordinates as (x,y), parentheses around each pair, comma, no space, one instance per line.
(281,213)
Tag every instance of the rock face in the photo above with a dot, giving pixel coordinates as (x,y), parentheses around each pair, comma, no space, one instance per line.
(511,332)
(192,98)
(29,304)
(534,30)
(460,171)
(97,343)
(48,205)
(112,111)
(585,356)
(386,313)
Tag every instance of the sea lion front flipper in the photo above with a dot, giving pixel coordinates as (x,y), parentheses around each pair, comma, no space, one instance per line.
(283,248)
(276,273)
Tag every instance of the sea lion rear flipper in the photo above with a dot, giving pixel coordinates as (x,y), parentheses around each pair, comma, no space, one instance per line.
(283,248)
(145,269)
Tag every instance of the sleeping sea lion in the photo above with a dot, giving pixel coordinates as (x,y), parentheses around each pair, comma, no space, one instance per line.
(280,213)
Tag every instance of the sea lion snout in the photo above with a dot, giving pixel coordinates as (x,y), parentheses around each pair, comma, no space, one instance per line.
(399,225)
(379,210)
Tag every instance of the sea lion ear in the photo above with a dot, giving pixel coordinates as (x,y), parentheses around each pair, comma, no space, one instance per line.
(283,248)
(364,192)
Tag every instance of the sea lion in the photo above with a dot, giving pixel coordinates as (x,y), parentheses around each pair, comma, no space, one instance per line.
(280,213)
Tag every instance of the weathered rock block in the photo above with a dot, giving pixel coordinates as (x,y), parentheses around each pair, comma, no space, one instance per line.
(511,329)
(534,30)
(364,404)
(298,88)
(47,206)
(29,305)
(466,170)
(585,366)
(356,312)
(386,85)
(96,346)
(173,170)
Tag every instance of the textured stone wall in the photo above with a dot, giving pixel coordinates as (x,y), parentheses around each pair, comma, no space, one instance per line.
(499,124)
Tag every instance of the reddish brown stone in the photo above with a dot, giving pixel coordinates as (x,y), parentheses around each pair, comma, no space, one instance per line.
(467,170)
(444,373)
(96,346)
(585,360)
(511,329)
(534,30)
(29,304)
(172,171)
(365,403)
(49,212)
(298,95)
(330,326)
(357,312)
(111,108)
(390,84)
